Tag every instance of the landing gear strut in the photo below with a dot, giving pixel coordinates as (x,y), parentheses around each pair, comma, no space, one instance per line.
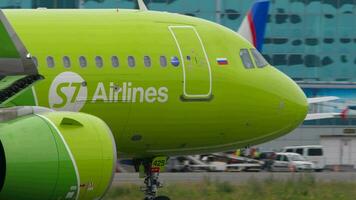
(149,170)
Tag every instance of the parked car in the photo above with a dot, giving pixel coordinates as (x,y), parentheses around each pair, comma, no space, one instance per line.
(291,162)
(313,153)
(186,164)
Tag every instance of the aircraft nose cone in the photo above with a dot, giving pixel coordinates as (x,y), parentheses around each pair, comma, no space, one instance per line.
(293,105)
(282,105)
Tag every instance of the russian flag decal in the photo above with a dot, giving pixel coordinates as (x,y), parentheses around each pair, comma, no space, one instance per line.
(222,61)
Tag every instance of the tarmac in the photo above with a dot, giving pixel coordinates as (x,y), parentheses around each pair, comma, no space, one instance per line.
(235,178)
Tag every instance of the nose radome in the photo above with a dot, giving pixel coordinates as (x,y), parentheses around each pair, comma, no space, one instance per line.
(301,103)
(276,105)
(296,101)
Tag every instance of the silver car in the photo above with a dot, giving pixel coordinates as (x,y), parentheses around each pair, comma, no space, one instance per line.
(291,162)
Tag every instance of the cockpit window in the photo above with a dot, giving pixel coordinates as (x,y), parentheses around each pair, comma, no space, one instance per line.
(246,59)
(259,59)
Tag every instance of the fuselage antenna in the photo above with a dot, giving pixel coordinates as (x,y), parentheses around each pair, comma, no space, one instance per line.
(142,6)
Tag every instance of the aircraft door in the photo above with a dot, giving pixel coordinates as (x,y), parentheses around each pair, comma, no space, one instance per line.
(196,67)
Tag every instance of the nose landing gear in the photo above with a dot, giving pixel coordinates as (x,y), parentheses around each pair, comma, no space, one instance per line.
(149,170)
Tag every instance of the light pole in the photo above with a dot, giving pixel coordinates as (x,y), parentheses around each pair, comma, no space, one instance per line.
(80,3)
(218,11)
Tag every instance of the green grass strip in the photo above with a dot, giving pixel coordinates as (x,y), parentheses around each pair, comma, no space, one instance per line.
(303,188)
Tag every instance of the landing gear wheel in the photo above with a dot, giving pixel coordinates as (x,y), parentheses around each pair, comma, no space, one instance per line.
(151,169)
(159,198)
(162,198)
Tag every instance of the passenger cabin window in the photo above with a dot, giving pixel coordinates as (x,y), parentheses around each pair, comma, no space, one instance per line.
(50,61)
(99,61)
(83,62)
(163,61)
(147,61)
(259,59)
(35,61)
(246,59)
(131,61)
(115,61)
(66,62)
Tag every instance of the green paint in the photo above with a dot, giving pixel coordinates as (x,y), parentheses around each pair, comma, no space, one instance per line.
(7,48)
(76,91)
(246,107)
(37,164)
(61,95)
(8,81)
(92,148)
(160,162)
(17,90)
(26,97)
(195,107)
(197,76)
(47,159)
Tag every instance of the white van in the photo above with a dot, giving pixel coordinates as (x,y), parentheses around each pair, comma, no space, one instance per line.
(292,162)
(313,153)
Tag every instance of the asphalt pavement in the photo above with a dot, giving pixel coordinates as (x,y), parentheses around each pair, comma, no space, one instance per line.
(235,178)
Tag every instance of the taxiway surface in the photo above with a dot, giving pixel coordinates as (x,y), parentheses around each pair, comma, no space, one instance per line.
(235,178)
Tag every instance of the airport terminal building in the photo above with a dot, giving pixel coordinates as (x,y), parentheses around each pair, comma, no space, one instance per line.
(314,42)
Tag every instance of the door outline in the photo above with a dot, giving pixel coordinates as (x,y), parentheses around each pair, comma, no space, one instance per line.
(346,148)
(185,94)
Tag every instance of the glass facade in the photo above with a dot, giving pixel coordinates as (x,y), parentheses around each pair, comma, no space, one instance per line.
(313,41)
(310,40)
(15,4)
(55,3)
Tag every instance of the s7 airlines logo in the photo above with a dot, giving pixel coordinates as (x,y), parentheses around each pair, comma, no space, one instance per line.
(69,92)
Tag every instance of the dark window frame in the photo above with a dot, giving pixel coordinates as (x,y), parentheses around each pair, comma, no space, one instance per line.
(66,62)
(115,62)
(315,152)
(83,61)
(290,150)
(299,151)
(50,62)
(99,61)
(131,61)
(163,61)
(147,61)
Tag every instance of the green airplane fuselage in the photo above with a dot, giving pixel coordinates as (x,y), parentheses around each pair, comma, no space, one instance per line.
(165,84)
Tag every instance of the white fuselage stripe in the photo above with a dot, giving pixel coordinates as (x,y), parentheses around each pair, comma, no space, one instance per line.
(34,95)
(69,152)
